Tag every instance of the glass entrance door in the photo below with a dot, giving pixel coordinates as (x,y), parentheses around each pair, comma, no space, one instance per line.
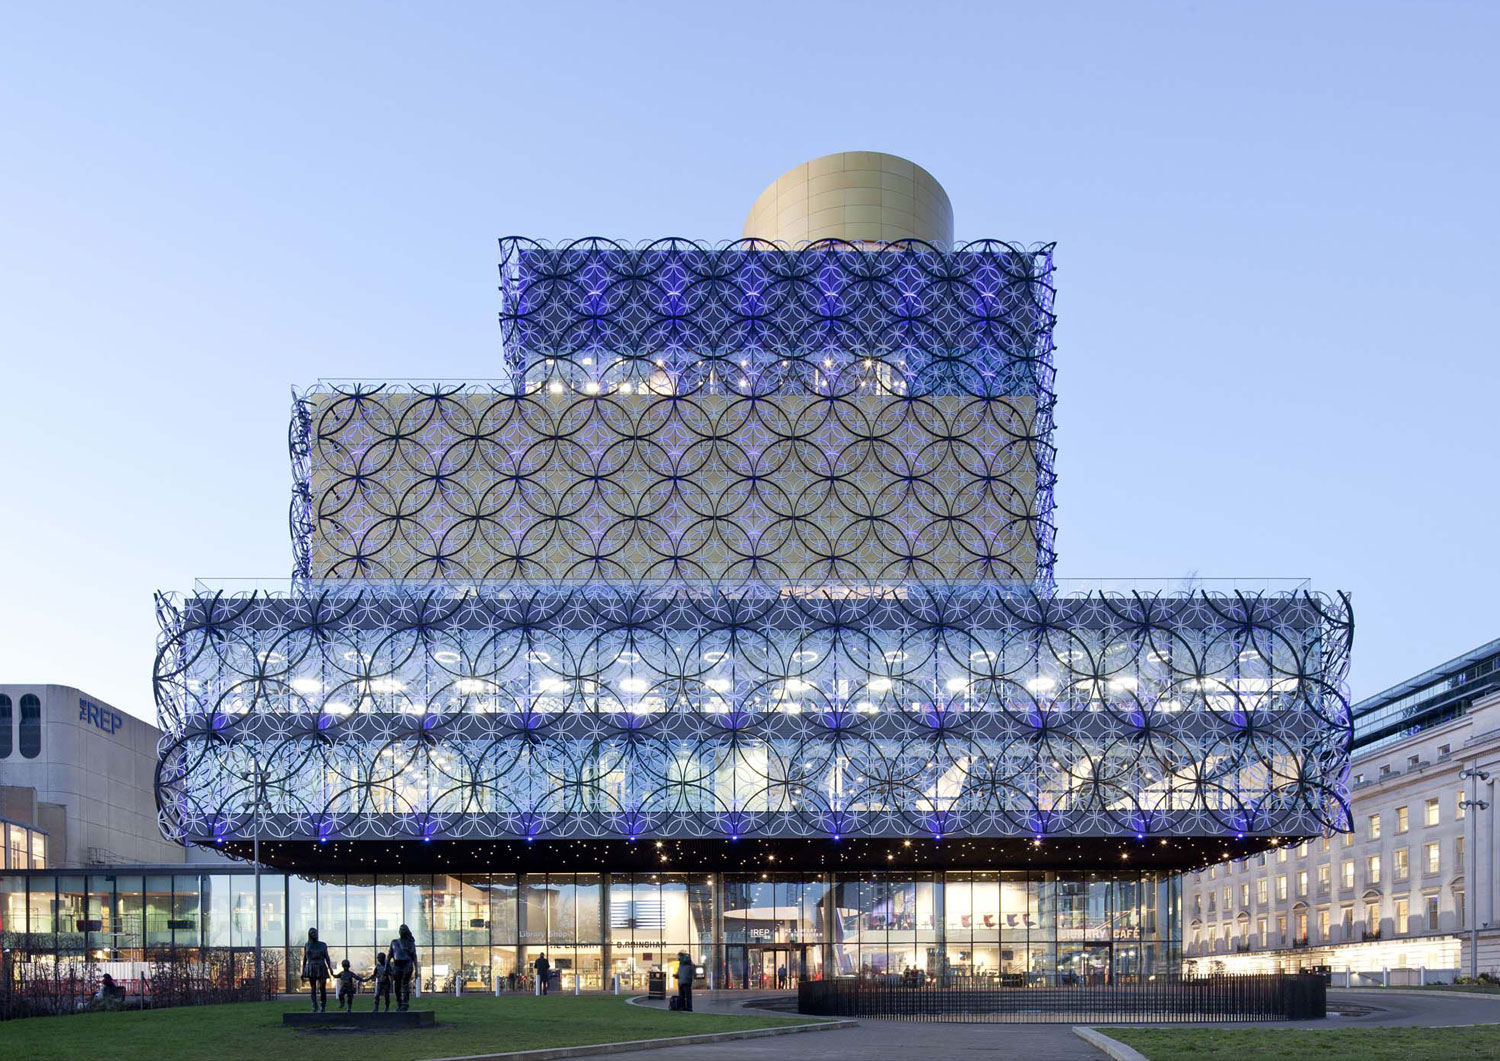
(773,968)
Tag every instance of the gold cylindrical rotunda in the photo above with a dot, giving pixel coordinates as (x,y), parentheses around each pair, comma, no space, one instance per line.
(853,195)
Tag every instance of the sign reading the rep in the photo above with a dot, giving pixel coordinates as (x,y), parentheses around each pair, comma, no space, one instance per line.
(107,720)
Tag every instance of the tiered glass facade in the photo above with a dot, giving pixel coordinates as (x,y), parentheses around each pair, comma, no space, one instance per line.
(749,557)
(747,930)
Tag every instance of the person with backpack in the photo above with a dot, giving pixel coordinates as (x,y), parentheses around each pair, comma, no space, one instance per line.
(686,972)
(403,951)
(542,967)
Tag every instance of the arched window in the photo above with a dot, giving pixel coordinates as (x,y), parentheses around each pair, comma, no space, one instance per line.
(4,726)
(31,727)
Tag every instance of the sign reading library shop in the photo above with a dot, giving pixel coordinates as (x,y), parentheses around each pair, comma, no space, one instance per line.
(100,716)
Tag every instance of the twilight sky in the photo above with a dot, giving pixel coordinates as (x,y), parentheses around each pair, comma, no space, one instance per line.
(1277,244)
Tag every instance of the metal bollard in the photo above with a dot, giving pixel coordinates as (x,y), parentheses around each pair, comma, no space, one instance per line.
(577,986)
(617,983)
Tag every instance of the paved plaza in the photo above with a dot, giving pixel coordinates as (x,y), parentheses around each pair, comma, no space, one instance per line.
(872,1039)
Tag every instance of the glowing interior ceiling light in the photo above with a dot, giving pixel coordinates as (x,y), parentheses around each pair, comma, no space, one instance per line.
(447,657)
(956,685)
(307,685)
(633,685)
(879,685)
(1123,683)
(1041,684)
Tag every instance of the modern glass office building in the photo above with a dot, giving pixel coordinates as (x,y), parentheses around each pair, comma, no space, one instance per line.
(725,620)
(1434,697)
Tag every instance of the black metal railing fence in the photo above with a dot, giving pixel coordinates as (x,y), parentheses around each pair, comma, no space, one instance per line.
(1267,997)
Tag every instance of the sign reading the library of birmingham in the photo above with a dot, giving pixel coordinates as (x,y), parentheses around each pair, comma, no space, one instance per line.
(749,541)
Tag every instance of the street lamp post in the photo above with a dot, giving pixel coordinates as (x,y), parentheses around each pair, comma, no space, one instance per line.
(1473,775)
(260,982)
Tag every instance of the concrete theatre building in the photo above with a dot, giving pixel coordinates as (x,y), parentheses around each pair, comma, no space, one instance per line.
(77,782)
(724,620)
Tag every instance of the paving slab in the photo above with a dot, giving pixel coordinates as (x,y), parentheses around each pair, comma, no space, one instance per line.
(872,1040)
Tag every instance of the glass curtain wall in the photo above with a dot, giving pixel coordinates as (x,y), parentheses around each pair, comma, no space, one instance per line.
(1013,928)
(775,929)
(653,917)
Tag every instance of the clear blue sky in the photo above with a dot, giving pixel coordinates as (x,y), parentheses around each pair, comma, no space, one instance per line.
(1276,226)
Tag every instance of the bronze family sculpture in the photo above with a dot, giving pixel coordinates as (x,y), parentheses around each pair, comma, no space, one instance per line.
(397,968)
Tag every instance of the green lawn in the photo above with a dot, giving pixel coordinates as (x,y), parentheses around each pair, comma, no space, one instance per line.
(1274,1044)
(253,1032)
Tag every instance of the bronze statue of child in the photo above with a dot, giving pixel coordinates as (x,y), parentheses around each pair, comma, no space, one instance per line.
(383,976)
(347,978)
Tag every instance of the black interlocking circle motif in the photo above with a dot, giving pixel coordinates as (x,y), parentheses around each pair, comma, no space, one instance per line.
(695,710)
(681,411)
(749,541)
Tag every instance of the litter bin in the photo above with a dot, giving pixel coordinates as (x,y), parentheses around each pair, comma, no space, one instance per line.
(554,980)
(656,983)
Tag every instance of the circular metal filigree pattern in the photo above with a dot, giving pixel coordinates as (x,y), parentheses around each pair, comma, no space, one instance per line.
(754,709)
(750,541)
